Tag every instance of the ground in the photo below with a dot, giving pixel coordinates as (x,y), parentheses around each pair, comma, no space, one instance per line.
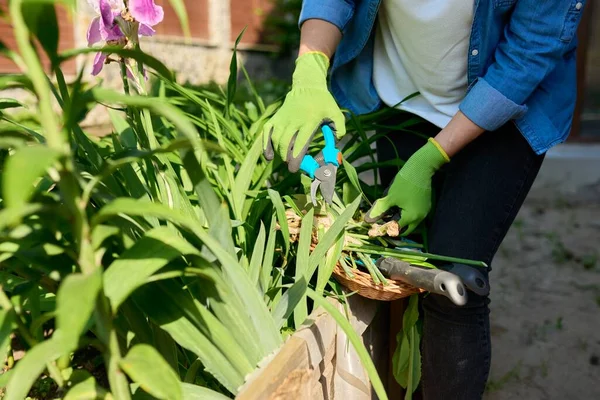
(546,301)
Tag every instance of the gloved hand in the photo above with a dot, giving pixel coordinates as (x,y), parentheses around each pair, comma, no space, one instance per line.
(411,189)
(306,108)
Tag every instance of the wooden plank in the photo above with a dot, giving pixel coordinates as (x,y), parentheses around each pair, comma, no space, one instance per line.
(292,357)
(306,365)
(304,351)
(319,336)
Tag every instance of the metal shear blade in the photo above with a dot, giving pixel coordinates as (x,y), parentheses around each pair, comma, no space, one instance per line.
(325,178)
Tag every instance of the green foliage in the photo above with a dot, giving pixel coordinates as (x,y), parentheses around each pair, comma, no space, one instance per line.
(281,26)
(407,358)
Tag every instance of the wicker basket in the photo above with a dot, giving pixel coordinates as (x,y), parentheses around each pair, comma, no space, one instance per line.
(363,284)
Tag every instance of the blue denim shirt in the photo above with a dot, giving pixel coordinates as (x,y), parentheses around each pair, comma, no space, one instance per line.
(521,63)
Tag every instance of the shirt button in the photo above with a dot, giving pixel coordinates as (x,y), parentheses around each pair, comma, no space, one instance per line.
(579,5)
(475,52)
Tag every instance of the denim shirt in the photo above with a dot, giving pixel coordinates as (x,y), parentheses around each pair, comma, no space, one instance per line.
(521,63)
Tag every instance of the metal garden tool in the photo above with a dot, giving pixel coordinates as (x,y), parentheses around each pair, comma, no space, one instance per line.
(472,277)
(322,168)
(432,280)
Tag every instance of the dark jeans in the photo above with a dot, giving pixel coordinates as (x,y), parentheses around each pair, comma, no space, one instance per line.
(477,196)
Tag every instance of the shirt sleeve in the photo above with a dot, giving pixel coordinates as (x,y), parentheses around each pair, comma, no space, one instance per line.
(336,12)
(537,36)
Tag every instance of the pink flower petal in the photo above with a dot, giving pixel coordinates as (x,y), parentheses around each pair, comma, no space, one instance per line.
(114,34)
(146,12)
(93,33)
(98,63)
(108,18)
(129,70)
(145,30)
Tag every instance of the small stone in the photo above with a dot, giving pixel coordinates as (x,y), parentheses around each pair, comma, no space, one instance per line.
(594,360)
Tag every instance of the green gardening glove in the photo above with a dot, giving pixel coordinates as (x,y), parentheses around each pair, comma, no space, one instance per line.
(306,108)
(411,189)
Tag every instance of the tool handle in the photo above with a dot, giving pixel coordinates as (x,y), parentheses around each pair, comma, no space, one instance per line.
(432,280)
(309,165)
(331,155)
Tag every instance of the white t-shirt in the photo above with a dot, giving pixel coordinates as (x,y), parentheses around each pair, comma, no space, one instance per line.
(422,46)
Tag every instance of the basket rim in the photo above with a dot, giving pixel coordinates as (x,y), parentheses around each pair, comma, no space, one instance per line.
(363,284)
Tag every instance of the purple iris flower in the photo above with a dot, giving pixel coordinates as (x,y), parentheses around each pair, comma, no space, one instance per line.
(115,21)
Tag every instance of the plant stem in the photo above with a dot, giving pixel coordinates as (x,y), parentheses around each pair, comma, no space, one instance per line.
(112,356)
(36,72)
(396,252)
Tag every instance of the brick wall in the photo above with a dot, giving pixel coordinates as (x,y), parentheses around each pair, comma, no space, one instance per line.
(198,13)
(66,40)
(249,14)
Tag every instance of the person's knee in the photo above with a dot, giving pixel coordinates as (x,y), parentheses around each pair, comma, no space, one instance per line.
(441,307)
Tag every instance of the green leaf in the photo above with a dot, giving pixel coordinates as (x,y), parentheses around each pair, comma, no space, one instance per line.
(10,103)
(232,82)
(280,209)
(289,301)
(267,264)
(326,268)
(230,309)
(355,340)
(150,253)
(406,361)
(132,182)
(411,315)
(145,366)
(166,346)
(331,236)
(302,258)
(257,255)
(30,367)
(180,11)
(87,389)
(101,233)
(194,392)
(40,18)
(7,324)
(243,178)
(220,335)
(414,368)
(12,216)
(22,170)
(75,303)
(400,359)
(5,377)
(353,178)
(170,317)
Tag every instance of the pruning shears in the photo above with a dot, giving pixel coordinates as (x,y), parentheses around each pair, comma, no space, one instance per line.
(322,168)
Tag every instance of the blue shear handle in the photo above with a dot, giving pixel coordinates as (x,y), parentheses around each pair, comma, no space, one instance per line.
(309,165)
(330,152)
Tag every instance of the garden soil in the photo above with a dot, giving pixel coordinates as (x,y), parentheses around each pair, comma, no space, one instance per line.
(545,309)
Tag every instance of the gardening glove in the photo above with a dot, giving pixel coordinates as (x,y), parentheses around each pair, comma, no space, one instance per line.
(307,107)
(411,189)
